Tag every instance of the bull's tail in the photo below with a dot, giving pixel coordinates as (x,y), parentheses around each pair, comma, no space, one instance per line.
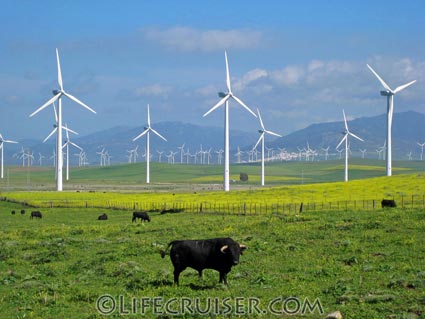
(166,251)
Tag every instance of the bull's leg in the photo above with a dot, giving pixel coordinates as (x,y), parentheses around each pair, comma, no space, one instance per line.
(200,273)
(223,278)
(133,219)
(177,272)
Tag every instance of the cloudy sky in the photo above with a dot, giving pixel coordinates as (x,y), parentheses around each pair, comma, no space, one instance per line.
(300,62)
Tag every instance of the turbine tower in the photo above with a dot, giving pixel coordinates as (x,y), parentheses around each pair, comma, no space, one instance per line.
(263,132)
(2,142)
(225,100)
(147,131)
(347,133)
(57,95)
(389,93)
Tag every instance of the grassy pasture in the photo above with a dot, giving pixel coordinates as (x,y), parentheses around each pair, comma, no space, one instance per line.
(365,264)
(166,177)
(399,187)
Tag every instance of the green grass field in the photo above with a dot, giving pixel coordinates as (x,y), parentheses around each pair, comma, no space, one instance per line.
(364,263)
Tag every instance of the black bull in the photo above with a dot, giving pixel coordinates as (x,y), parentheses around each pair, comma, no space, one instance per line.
(218,253)
(142,215)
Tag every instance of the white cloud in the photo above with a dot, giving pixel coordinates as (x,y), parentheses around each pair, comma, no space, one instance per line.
(290,75)
(249,77)
(153,90)
(188,39)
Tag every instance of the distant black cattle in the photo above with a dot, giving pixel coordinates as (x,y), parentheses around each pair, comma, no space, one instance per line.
(22,211)
(142,215)
(103,217)
(12,212)
(388,203)
(36,214)
(218,253)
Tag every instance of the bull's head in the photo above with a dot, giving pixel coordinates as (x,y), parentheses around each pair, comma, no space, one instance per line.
(233,251)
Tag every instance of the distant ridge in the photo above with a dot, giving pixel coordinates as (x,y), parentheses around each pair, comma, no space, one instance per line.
(408,129)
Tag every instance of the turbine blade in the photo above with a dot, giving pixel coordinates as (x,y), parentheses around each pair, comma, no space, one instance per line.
(272,133)
(227,73)
(141,134)
(219,103)
(51,133)
(78,101)
(54,98)
(9,141)
(56,113)
(385,85)
(355,136)
(75,145)
(259,140)
(402,87)
(261,121)
(69,130)
(244,105)
(343,139)
(59,71)
(159,134)
(149,118)
(345,121)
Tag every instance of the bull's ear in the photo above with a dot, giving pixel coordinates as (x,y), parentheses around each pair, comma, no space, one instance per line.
(224,249)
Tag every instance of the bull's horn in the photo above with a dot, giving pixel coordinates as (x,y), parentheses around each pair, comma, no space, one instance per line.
(243,247)
(224,248)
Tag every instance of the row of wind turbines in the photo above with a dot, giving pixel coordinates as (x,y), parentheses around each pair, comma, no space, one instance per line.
(226,97)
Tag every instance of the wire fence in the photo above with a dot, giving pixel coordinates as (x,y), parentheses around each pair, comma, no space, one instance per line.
(244,208)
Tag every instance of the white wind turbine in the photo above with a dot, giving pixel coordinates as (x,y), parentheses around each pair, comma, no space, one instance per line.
(347,133)
(389,93)
(225,100)
(147,131)
(57,95)
(422,149)
(263,132)
(66,145)
(2,142)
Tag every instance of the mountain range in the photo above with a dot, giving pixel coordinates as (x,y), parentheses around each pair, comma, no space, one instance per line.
(408,130)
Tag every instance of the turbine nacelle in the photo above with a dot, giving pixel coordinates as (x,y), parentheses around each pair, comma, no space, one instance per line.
(222,94)
(56,92)
(386,93)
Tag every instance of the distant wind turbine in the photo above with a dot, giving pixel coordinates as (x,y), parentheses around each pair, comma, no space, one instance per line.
(347,133)
(147,131)
(389,93)
(422,149)
(66,145)
(225,100)
(263,132)
(57,95)
(2,142)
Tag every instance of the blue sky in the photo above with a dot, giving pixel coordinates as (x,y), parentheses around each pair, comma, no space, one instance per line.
(300,62)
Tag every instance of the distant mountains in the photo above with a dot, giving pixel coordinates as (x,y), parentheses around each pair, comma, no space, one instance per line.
(408,130)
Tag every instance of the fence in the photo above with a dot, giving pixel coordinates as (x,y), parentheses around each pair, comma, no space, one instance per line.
(247,208)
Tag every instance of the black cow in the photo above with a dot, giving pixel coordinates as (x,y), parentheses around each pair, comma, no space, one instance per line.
(103,217)
(13,212)
(142,215)
(218,253)
(36,214)
(22,211)
(388,203)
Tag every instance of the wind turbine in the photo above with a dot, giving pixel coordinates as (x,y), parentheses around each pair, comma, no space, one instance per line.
(57,96)
(389,93)
(347,133)
(2,142)
(422,149)
(147,131)
(66,145)
(225,100)
(263,132)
